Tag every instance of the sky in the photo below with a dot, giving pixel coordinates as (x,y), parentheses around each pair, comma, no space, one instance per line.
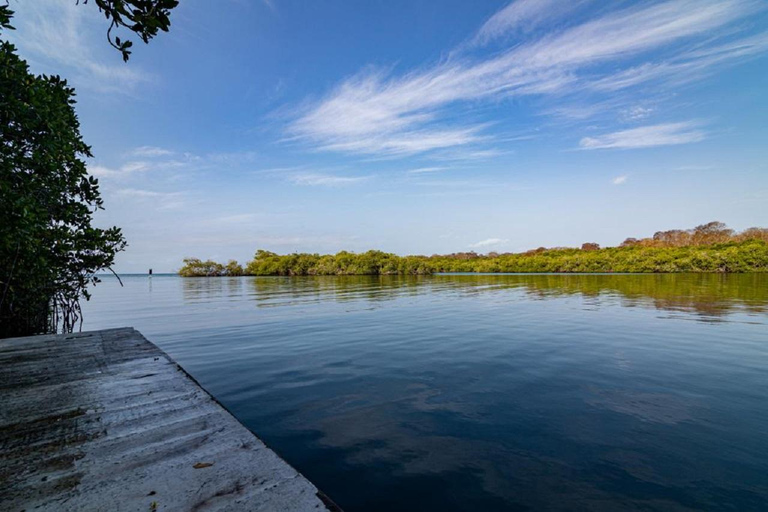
(415,126)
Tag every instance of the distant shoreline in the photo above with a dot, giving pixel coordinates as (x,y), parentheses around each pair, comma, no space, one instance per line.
(435,274)
(731,257)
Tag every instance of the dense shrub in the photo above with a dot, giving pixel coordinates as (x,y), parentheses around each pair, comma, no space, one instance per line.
(710,247)
(745,256)
(50,250)
(194,267)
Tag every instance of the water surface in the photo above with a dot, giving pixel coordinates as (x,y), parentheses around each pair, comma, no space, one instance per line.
(483,392)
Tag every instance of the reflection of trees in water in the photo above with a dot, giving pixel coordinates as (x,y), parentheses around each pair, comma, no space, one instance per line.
(709,295)
(705,294)
(206,288)
(293,290)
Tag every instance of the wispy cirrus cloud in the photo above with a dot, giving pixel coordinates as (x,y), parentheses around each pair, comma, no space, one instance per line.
(636,113)
(488,242)
(151,151)
(162,200)
(423,170)
(383,113)
(135,192)
(619,180)
(325,180)
(646,136)
(686,66)
(523,16)
(133,167)
(693,168)
(101,171)
(156,159)
(56,34)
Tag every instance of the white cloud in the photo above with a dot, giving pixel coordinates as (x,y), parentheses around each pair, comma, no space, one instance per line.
(646,137)
(378,112)
(523,16)
(134,192)
(100,171)
(151,151)
(241,219)
(422,170)
(162,200)
(233,157)
(307,241)
(465,154)
(619,180)
(489,242)
(636,113)
(684,67)
(325,180)
(277,171)
(157,159)
(133,167)
(631,31)
(238,218)
(60,34)
(693,168)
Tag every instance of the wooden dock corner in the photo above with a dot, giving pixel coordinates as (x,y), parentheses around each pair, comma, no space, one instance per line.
(105,420)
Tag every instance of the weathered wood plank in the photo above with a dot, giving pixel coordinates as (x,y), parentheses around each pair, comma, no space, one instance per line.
(105,420)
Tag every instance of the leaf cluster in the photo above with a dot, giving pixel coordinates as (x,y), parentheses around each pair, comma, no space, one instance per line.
(5,17)
(143,17)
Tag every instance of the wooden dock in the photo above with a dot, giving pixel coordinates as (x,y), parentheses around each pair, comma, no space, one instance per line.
(105,420)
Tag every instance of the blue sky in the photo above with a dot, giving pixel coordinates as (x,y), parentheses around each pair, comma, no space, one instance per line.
(416,127)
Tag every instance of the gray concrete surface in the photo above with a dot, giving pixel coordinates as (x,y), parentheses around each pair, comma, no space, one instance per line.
(105,420)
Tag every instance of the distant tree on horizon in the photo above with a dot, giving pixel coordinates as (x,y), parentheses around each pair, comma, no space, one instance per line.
(710,247)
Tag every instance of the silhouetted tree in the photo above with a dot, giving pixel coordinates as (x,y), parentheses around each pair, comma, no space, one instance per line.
(711,233)
(49,250)
(629,242)
(753,234)
(143,17)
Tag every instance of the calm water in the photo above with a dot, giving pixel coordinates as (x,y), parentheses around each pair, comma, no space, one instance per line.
(484,392)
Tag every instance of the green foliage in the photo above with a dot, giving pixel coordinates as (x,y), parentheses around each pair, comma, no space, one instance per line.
(5,17)
(193,267)
(49,250)
(746,256)
(233,268)
(344,263)
(143,17)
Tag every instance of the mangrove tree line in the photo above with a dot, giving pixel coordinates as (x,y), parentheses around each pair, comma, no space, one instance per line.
(711,247)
